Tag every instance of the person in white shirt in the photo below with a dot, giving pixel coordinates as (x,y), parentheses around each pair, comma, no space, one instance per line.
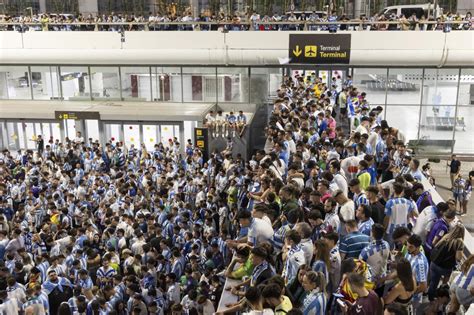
(79,138)
(339,178)
(174,292)
(137,247)
(206,305)
(331,219)
(305,231)
(259,230)
(346,210)
(426,219)
(258,212)
(293,255)
(219,124)
(363,128)
(210,120)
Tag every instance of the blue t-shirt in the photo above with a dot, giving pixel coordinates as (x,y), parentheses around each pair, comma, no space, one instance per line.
(353,243)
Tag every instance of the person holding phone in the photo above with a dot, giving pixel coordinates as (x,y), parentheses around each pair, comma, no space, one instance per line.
(367,302)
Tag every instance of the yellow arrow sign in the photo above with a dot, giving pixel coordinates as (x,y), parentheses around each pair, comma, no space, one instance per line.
(297,52)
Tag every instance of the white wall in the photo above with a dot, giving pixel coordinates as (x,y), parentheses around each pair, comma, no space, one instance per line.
(392,48)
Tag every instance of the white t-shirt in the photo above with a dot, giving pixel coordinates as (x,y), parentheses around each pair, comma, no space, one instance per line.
(308,249)
(341,182)
(424,222)
(260,231)
(350,165)
(210,118)
(347,212)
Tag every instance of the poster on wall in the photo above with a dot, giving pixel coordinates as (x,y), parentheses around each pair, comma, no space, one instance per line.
(320,48)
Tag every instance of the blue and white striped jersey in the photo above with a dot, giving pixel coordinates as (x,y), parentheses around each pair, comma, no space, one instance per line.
(315,303)
(398,209)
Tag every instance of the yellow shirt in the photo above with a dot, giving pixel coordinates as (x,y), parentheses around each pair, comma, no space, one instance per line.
(284,307)
(317,91)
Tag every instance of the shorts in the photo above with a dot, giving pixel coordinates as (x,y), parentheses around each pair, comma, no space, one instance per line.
(343,111)
(467,196)
(458,196)
(464,296)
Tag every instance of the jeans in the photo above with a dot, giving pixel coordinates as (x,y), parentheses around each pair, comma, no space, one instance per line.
(436,273)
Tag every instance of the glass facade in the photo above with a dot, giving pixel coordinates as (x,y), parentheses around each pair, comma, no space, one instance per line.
(425,103)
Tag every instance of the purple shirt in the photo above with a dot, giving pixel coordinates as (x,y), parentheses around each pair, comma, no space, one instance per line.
(439,229)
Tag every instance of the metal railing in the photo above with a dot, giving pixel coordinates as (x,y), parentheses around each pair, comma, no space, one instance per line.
(240,26)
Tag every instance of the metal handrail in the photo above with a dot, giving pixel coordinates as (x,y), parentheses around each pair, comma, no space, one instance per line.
(250,24)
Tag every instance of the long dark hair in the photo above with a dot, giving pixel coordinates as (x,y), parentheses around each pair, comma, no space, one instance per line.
(405,274)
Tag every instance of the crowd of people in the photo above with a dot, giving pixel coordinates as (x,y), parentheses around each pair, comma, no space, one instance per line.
(237,22)
(225,125)
(332,216)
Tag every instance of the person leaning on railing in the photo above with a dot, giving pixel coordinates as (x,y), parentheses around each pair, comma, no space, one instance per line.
(241,257)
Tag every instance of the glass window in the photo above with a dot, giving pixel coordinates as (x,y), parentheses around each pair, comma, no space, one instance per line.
(233,85)
(437,125)
(464,130)
(12,135)
(30,135)
(92,129)
(56,128)
(135,83)
(371,81)
(404,86)
(21,135)
(46,83)
(131,135)
(46,132)
(466,87)
(75,83)
(166,84)
(405,118)
(440,86)
(264,82)
(113,132)
(167,133)
(150,136)
(14,83)
(199,84)
(70,128)
(105,83)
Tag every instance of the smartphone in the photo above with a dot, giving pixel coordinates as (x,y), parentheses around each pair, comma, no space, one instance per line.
(341,303)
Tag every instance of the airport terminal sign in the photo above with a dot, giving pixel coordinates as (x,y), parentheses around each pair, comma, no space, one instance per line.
(320,48)
(76,115)
(201,140)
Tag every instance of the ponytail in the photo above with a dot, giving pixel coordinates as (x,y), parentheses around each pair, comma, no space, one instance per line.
(318,279)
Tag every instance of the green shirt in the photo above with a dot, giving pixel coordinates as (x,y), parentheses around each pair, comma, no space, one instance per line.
(244,270)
